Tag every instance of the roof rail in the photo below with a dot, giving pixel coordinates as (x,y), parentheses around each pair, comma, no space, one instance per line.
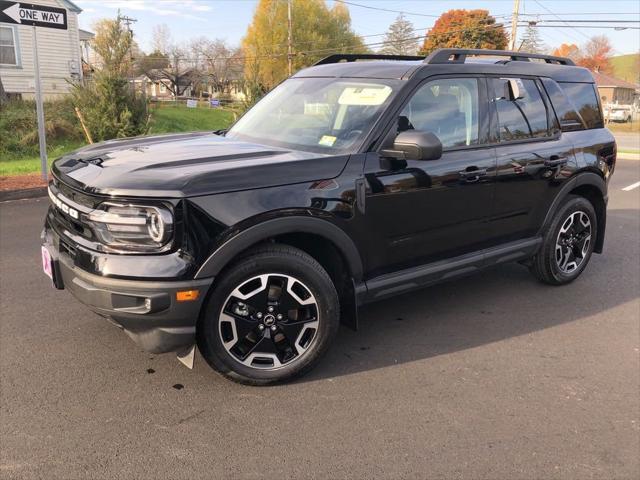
(353,57)
(458,55)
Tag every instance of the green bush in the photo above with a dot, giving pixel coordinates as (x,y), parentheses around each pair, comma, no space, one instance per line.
(19,126)
(110,108)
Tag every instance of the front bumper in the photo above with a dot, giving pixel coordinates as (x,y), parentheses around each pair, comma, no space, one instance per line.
(147,310)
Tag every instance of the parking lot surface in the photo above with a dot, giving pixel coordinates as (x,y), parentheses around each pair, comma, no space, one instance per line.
(493,376)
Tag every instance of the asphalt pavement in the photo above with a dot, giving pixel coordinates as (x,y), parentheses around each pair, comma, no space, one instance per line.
(493,376)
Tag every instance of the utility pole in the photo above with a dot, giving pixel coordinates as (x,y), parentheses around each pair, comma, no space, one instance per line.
(514,25)
(127,20)
(289,44)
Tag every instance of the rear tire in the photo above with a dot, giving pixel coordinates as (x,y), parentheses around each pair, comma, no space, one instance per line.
(567,244)
(270,318)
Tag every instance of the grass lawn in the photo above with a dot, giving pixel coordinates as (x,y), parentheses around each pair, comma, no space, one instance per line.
(21,165)
(629,127)
(165,119)
(172,118)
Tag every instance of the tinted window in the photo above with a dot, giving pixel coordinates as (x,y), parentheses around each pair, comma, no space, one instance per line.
(447,108)
(569,119)
(324,115)
(585,100)
(524,117)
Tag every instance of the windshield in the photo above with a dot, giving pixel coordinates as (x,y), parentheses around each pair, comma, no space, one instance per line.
(325,115)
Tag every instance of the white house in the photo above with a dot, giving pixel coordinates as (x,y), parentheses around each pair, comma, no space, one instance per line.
(58,52)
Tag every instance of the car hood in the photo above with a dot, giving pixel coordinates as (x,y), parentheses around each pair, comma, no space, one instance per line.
(191,164)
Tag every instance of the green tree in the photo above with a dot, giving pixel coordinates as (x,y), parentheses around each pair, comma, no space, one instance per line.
(108,102)
(400,39)
(531,41)
(317,32)
(465,29)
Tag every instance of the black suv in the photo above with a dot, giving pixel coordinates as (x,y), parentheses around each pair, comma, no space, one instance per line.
(350,182)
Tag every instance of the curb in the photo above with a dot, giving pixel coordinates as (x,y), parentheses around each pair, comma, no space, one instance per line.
(7,195)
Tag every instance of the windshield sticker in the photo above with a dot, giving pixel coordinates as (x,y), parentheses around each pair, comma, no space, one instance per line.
(327,141)
(364,95)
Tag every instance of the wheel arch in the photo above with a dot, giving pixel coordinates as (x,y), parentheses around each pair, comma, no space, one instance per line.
(279,228)
(593,187)
(324,241)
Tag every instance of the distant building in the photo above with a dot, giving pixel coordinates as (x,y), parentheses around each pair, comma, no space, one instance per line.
(88,56)
(616,91)
(156,88)
(58,51)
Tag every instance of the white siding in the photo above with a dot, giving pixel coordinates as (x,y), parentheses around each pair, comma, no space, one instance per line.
(56,50)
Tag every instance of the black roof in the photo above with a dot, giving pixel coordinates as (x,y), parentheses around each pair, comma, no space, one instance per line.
(448,61)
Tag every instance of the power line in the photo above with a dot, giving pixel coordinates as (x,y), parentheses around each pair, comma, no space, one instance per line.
(559,18)
(329,49)
(578,13)
(604,27)
(402,12)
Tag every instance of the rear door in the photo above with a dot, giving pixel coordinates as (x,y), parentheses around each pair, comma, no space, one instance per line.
(533,158)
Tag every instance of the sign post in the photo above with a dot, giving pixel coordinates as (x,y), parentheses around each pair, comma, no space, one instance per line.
(36,16)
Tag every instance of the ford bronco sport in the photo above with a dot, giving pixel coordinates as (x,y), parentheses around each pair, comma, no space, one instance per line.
(350,182)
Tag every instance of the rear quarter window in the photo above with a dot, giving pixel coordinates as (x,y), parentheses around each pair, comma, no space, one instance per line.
(569,118)
(584,98)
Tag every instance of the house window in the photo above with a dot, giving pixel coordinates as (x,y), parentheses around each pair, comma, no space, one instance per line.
(8,46)
(163,88)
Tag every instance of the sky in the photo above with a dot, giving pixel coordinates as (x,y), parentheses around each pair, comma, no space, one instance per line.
(228,19)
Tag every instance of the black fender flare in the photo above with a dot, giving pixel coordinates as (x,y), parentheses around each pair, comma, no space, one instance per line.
(580,179)
(279,226)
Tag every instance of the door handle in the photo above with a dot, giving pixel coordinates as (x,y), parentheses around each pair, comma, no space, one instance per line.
(555,161)
(472,174)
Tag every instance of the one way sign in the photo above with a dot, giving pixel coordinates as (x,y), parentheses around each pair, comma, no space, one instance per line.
(31,14)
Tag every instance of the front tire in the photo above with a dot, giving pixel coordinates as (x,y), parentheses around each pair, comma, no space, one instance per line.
(568,243)
(270,318)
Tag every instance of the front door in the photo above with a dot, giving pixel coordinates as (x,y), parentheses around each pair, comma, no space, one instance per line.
(423,211)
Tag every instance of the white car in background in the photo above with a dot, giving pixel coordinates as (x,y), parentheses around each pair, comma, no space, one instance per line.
(618,113)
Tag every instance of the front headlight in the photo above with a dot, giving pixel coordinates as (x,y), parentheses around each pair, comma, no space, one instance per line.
(132,228)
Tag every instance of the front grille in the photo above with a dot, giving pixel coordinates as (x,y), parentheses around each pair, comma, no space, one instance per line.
(66,214)
(68,249)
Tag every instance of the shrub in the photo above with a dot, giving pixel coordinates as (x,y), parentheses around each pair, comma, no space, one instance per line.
(110,108)
(19,126)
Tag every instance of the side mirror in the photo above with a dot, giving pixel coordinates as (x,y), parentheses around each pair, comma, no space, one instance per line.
(514,89)
(415,145)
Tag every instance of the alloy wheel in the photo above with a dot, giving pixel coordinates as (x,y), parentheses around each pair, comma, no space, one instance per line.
(269,321)
(572,244)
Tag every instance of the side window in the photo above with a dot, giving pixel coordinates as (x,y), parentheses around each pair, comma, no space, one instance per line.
(522,117)
(585,100)
(8,48)
(447,108)
(570,119)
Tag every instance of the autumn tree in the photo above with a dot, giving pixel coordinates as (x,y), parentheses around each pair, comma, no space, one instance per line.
(531,41)
(317,32)
(400,39)
(568,50)
(596,54)
(465,29)
(113,45)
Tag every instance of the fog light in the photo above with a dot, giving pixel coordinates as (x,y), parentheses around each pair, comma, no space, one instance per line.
(187,295)
(147,303)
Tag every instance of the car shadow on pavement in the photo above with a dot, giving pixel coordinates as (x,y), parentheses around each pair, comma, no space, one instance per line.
(494,305)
